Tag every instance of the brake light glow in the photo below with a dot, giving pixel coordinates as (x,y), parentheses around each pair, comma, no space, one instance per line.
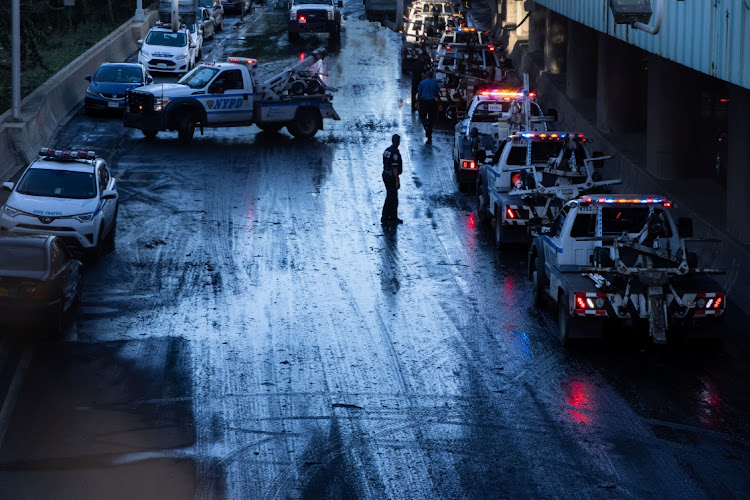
(491,48)
(510,213)
(468,164)
(709,302)
(591,303)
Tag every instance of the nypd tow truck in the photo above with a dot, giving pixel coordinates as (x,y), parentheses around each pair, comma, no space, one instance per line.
(530,177)
(623,258)
(490,117)
(228,95)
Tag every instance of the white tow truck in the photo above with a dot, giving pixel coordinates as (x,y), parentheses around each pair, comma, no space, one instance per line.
(531,176)
(490,118)
(228,95)
(623,258)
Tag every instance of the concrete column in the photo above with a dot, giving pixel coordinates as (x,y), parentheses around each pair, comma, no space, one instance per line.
(580,72)
(619,95)
(738,164)
(673,98)
(537,29)
(555,45)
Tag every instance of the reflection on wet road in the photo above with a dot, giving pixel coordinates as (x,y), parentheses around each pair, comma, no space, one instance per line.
(257,323)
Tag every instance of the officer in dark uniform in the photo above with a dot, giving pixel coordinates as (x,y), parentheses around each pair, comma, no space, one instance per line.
(392,168)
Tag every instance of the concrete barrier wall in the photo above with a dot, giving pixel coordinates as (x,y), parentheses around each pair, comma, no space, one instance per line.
(46,109)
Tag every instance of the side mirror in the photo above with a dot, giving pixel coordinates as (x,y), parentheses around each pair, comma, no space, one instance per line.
(87,78)
(140,41)
(150,79)
(192,45)
(685,227)
(8,186)
(108,194)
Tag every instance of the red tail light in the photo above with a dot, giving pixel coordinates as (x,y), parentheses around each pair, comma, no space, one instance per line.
(510,213)
(468,164)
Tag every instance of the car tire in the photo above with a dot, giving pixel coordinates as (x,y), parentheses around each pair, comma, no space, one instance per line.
(109,241)
(305,125)
(54,327)
(150,135)
(499,230)
(186,128)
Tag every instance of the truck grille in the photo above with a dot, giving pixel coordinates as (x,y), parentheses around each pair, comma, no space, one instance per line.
(138,102)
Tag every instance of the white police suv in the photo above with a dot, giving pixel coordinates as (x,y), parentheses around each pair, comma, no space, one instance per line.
(70,194)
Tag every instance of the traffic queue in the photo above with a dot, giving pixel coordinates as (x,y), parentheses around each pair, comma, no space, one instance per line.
(600,258)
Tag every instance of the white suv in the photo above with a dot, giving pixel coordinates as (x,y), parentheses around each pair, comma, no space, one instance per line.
(166,51)
(70,194)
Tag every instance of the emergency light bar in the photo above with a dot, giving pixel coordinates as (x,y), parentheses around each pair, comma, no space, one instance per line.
(505,93)
(243,60)
(62,153)
(631,201)
(548,137)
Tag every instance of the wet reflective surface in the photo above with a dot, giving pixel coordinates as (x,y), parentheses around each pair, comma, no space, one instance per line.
(258,334)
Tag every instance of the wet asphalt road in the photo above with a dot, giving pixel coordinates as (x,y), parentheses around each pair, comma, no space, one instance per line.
(258,334)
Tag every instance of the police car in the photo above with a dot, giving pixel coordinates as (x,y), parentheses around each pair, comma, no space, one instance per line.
(70,194)
(166,51)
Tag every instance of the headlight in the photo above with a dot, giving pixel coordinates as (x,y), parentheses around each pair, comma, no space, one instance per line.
(85,217)
(181,56)
(12,212)
(330,15)
(159,105)
(92,93)
(145,54)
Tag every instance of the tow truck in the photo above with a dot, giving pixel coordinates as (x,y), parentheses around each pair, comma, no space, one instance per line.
(490,117)
(229,95)
(531,176)
(623,258)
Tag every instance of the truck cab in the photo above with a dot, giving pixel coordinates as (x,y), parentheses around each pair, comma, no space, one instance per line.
(314,16)
(478,134)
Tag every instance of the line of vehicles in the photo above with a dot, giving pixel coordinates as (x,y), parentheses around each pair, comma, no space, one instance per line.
(598,257)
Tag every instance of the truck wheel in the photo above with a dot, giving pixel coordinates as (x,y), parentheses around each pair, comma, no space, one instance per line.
(336,33)
(187,128)
(538,282)
(305,126)
(150,135)
(293,37)
(482,204)
(499,230)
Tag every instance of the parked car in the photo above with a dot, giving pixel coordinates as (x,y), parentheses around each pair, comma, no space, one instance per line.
(110,83)
(39,280)
(166,51)
(237,6)
(70,194)
(216,9)
(196,41)
(206,23)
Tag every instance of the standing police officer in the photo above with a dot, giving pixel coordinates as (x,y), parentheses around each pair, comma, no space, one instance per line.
(392,168)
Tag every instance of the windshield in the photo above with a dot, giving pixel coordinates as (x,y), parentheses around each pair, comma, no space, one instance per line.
(313,2)
(58,184)
(199,77)
(166,38)
(119,74)
(22,258)
(616,220)
(541,152)
(490,111)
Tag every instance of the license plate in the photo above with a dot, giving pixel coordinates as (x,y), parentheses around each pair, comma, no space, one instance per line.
(3,291)
(161,65)
(113,104)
